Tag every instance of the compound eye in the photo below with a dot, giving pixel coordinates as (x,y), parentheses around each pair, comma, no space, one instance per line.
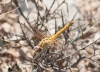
(37,48)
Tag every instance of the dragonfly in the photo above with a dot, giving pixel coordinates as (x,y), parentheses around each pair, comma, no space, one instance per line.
(51,39)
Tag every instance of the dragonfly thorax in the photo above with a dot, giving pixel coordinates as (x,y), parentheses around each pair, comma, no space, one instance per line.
(46,41)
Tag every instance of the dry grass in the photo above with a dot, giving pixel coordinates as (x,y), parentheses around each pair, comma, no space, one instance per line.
(75,50)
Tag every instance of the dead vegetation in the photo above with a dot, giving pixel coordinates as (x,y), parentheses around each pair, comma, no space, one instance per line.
(22,26)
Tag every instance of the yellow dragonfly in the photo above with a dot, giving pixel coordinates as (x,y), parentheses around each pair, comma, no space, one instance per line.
(52,39)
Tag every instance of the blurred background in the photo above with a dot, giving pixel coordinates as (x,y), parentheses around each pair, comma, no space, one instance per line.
(24,22)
